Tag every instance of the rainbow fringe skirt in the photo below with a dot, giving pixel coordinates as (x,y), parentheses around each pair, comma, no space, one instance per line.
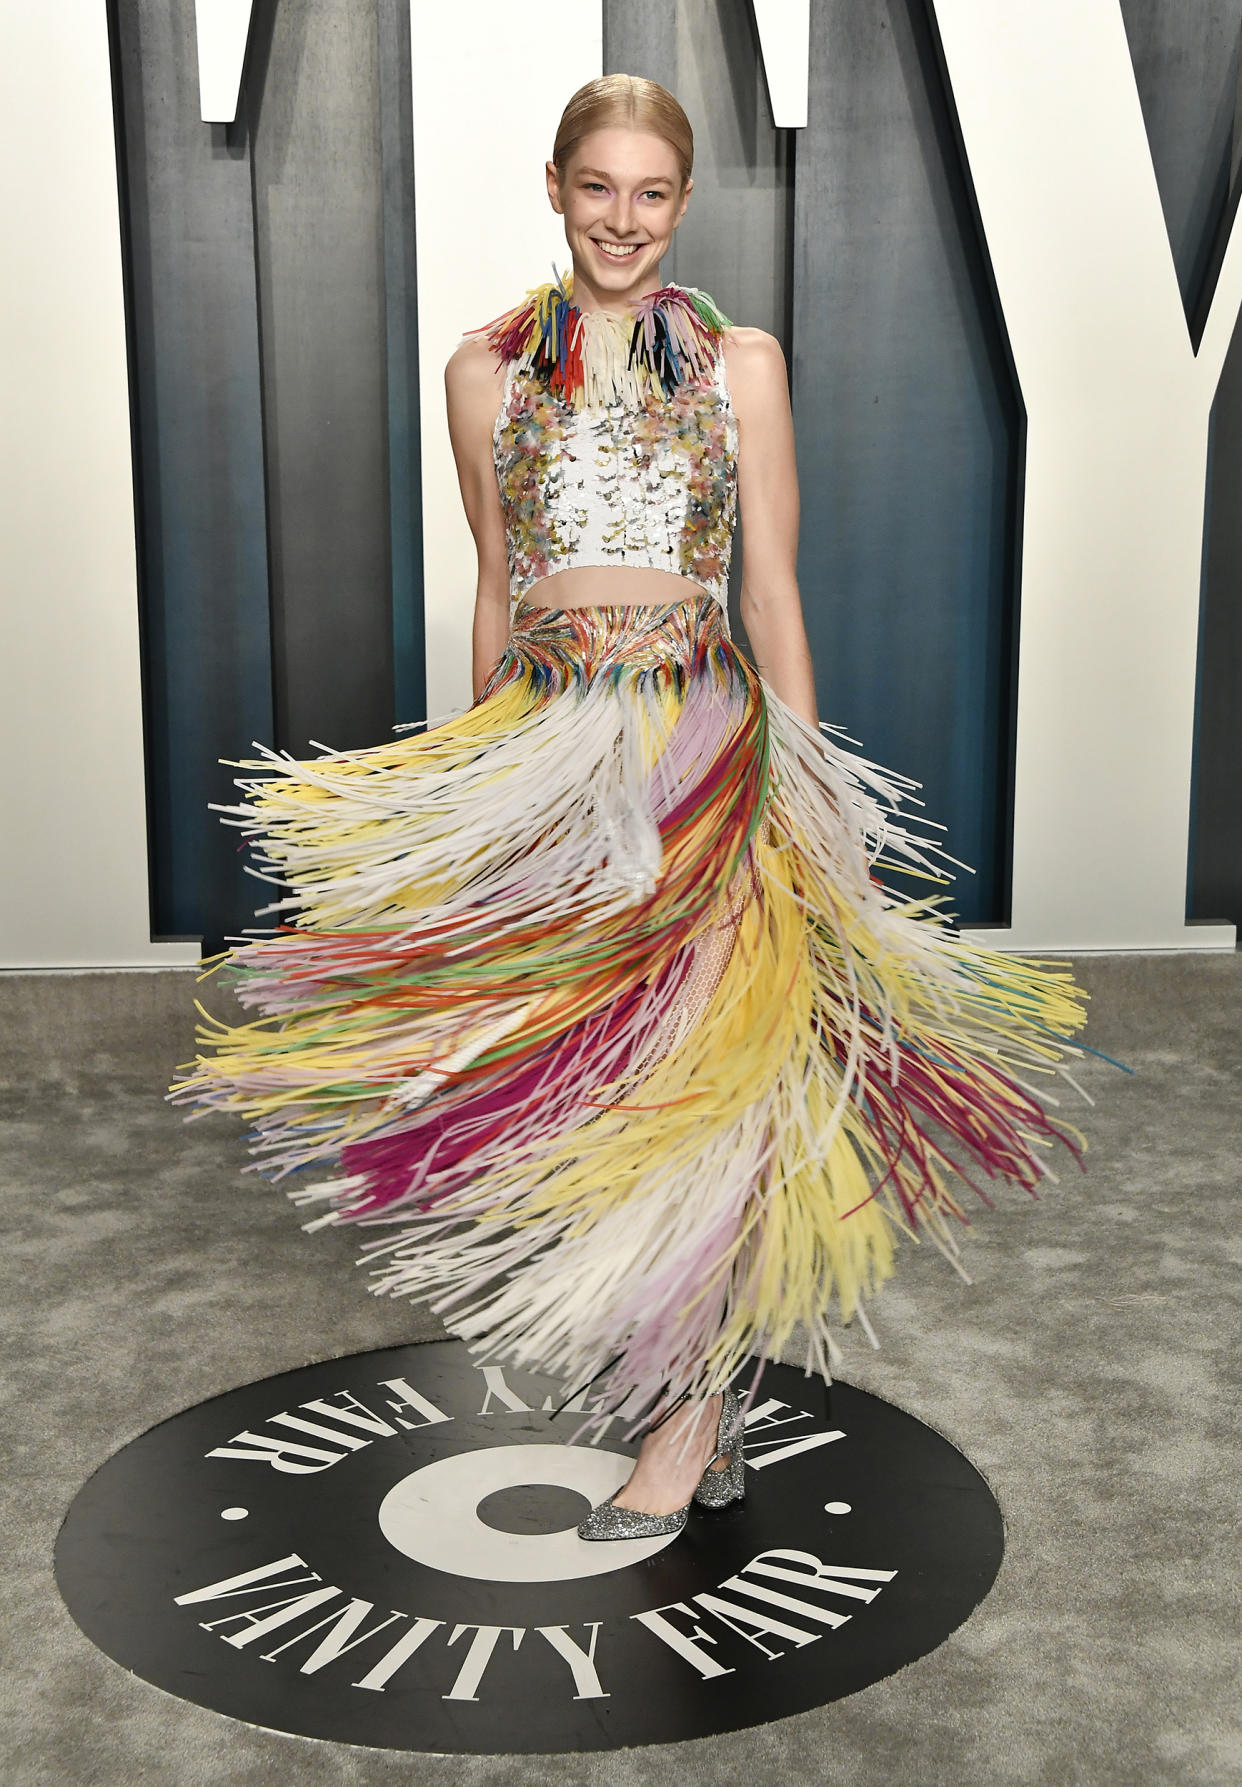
(590,1008)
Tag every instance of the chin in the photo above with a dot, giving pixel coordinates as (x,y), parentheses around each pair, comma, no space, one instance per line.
(595,258)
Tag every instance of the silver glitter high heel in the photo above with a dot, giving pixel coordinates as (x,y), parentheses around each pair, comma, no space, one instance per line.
(715,1489)
(718,1488)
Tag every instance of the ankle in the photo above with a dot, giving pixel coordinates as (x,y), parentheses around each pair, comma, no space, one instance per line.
(689,1430)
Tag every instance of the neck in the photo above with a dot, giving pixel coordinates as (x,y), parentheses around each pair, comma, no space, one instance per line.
(586,296)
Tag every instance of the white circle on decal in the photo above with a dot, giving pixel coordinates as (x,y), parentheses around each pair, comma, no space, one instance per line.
(432,1515)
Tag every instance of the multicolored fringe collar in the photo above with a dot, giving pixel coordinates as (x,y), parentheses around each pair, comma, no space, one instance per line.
(602,356)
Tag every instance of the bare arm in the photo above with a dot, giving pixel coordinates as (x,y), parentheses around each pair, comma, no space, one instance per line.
(768,499)
(472,390)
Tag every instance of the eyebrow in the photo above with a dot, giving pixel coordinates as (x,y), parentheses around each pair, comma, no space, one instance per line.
(651,179)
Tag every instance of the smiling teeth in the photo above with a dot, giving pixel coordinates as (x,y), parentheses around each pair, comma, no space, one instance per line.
(617,252)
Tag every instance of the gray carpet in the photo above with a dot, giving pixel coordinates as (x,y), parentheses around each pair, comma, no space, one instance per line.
(1089,1371)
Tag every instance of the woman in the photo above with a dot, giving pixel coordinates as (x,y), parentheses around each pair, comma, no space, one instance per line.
(593,991)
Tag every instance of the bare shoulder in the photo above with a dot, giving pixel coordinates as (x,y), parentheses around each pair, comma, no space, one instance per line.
(472,367)
(753,343)
(473,383)
(753,352)
(755,365)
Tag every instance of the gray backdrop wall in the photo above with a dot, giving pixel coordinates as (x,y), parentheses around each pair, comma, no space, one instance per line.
(275,397)
(274,336)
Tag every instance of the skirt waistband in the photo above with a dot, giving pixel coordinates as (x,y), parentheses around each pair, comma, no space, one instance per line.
(633,634)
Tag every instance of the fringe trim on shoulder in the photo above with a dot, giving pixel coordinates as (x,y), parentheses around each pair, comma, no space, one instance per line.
(597,357)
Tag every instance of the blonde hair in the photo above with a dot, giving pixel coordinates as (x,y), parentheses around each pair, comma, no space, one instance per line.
(628,100)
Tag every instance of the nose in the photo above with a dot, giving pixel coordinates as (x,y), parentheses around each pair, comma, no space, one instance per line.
(620,217)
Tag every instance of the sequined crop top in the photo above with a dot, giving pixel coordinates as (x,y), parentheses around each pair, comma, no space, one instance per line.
(616,441)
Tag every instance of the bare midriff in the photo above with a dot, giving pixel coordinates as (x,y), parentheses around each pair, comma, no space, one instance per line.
(598,586)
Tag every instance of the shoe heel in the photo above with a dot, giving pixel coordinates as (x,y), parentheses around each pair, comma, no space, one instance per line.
(717,1489)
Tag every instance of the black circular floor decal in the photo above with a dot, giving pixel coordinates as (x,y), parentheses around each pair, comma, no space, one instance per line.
(381,1550)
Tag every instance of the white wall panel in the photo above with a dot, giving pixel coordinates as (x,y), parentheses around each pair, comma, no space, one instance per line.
(73,885)
(1118,412)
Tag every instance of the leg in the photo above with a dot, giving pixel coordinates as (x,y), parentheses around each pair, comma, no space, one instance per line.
(672,1459)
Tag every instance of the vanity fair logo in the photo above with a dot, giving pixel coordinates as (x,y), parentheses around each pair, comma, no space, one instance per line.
(382,1550)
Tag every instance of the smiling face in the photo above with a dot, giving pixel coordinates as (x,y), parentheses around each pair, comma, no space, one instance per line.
(622,199)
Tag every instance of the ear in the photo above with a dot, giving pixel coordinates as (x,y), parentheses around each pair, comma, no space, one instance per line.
(685,199)
(554,188)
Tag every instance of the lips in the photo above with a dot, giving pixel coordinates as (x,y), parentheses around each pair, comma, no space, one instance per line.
(616,251)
